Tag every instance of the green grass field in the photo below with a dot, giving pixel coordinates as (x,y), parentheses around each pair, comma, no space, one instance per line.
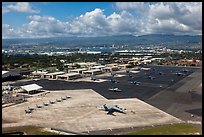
(28,130)
(175,129)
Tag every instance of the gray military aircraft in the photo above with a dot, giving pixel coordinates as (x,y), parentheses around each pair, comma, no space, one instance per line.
(114,81)
(36,79)
(112,108)
(38,106)
(113,74)
(45,104)
(68,97)
(58,100)
(94,79)
(161,73)
(185,70)
(115,89)
(131,76)
(179,74)
(151,77)
(63,98)
(28,111)
(135,82)
(51,102)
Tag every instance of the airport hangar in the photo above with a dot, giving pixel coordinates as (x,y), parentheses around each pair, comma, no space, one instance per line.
(162,92)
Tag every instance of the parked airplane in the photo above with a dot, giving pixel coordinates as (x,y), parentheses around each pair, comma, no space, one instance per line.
(161,73)
(131,76)
(112,108)
(135,82)
(151,77)
(31,109)
(185,70)
(28,111)
(179,74)
(113,74)
(94,79)
(115,89)
(36,79)
(51,102)
(114,81)
(68,97)
(63,98)
(38,106)
(45,104)
(58,100)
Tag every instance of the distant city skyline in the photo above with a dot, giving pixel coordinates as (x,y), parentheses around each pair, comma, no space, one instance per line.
(52,19)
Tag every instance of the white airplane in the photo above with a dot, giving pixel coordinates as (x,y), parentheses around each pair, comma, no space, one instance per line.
(185,70)
(115,89)
(151,77)
(36,79)
(114,81)
(179,74)
(135,82)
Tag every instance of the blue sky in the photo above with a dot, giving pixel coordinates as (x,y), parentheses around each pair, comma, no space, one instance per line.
(60,10)
(47,19)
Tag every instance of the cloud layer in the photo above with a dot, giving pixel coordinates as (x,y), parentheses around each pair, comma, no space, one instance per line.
(19,7)
(136,18)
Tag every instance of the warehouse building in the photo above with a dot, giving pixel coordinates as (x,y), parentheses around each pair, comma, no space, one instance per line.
(78,70)
(32,88)
(69,76)
(52,75)
(92,72)
(110,69)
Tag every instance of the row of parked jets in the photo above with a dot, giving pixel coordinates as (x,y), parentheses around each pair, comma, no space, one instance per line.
(30,110)
(116,89)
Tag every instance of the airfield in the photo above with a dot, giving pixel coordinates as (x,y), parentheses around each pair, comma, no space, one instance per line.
(164,100)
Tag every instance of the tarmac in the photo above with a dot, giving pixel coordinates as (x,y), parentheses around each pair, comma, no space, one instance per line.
(80,114)
(166,99)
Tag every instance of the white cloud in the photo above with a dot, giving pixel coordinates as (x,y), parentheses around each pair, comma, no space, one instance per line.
(5,10)
(167,17)
(20,7)
(162,18)
(176,18)
(139,6)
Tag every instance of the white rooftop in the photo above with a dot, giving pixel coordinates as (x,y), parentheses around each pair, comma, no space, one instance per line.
(79,69)
(31,87)
(98,67)
(4,72)
(56,73)
(93,70)
(69,74)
